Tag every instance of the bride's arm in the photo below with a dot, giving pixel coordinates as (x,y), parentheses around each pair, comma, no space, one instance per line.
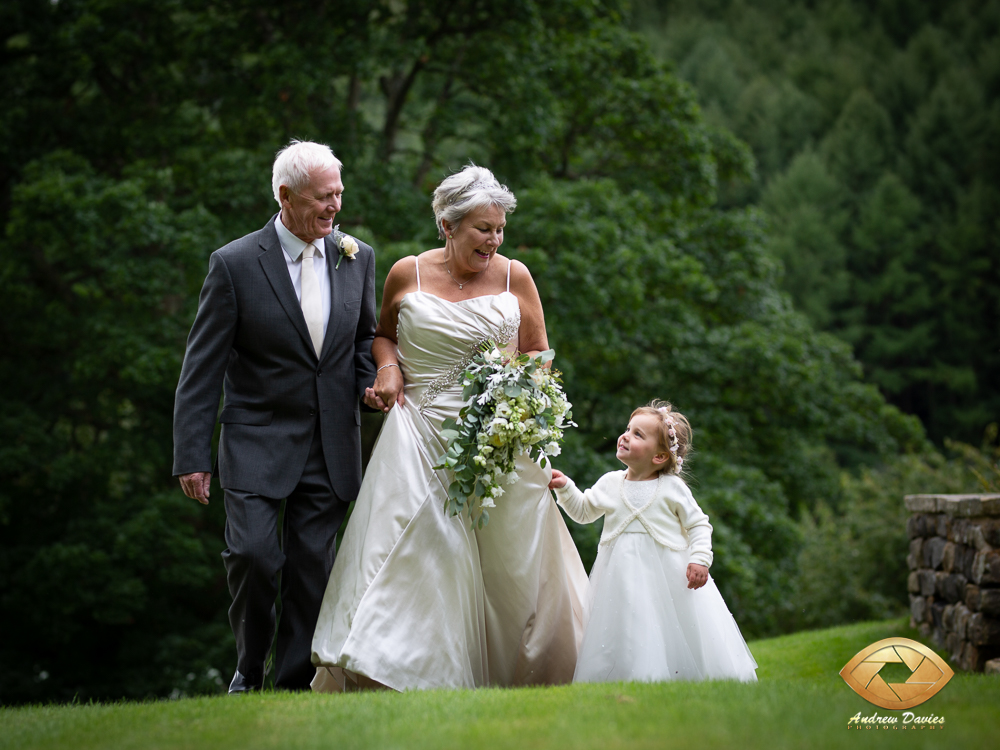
(531,336)
(387,390)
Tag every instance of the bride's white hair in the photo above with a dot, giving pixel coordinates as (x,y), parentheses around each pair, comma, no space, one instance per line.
(474,187)
(295,163)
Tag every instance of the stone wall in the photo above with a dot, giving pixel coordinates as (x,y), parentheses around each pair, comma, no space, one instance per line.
(954,580)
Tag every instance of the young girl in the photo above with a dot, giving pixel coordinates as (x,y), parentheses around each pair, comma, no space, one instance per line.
(654,613)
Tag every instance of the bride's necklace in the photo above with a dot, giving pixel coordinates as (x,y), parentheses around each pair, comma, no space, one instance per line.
(462,284)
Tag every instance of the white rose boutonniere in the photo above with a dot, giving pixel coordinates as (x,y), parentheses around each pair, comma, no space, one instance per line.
(348,246)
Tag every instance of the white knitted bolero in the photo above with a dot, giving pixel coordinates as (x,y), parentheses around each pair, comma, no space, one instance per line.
(673,517)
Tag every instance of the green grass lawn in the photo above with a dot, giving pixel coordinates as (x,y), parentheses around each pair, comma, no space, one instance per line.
(800,702)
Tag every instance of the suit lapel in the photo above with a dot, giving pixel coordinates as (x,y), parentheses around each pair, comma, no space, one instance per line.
(272,260)
(336,293)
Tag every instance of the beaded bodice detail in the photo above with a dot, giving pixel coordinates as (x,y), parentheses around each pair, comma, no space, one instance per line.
(438,339)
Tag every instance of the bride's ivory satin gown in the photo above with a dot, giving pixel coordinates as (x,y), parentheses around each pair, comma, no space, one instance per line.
(417,599)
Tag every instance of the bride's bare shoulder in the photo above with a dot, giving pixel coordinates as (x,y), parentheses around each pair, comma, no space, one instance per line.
(522,284)
(406,267)
(402,274)
(519,274)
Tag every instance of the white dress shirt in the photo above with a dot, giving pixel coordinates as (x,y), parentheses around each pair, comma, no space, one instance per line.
(292,247)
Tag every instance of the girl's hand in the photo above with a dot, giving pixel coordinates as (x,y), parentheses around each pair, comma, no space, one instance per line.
(558,480)
(697,575)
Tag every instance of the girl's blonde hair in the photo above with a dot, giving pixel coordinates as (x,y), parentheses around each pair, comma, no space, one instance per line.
(673,435)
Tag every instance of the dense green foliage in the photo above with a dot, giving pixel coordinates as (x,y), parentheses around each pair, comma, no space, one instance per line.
(852,563)
(876,129)
(138,137)
(109,577)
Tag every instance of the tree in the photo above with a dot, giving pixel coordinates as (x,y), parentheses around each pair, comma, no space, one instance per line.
(890,107)
(145,132)
(110,577)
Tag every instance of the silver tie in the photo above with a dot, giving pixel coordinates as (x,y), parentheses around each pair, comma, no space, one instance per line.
(312,305)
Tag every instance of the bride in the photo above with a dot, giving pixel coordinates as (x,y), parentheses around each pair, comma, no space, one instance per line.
(416,599)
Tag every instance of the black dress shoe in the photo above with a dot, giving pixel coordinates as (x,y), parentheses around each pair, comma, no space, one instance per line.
(244,684)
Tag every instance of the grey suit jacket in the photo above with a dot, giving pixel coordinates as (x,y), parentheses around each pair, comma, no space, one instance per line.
(250,339)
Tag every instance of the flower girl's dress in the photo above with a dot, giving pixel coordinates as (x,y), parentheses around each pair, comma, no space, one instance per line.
(418,600)
(644,623)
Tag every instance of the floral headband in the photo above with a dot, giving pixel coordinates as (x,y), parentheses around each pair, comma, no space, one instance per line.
(672,433)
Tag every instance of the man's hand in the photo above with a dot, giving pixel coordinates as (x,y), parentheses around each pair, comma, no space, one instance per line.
(195,485)
(372,400)
(558,480)
(697,575)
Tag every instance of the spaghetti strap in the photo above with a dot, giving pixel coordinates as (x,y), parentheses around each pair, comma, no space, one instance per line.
(509,262)
(416,262)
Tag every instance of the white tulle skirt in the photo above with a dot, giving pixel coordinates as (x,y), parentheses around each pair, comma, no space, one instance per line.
(646,625)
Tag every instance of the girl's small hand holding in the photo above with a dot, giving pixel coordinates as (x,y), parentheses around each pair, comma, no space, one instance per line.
(558,480)
(697,575)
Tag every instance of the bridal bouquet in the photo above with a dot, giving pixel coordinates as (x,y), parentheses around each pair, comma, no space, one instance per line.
(512,407)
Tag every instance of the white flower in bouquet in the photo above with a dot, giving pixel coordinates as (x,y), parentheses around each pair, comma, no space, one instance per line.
(512,408)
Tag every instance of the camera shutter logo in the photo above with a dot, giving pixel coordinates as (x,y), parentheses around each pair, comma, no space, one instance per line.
(928,673)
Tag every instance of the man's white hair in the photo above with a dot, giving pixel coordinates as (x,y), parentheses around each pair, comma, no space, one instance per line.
(459,194)
(295,163)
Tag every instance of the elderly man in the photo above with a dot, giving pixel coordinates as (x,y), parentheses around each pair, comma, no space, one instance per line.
(284,326)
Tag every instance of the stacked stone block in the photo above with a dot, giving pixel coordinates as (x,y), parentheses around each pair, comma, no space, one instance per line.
(954,580)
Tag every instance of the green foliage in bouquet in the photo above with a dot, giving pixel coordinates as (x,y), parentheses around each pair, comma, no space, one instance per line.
(513,406)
